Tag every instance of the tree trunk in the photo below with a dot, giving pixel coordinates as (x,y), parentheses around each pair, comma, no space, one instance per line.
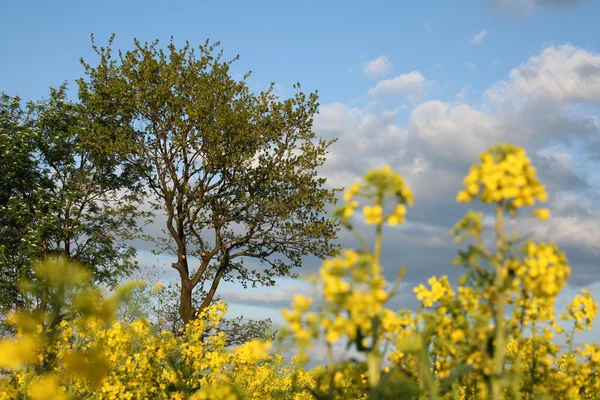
(186,308)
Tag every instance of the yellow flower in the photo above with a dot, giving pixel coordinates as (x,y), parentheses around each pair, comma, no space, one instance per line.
(463,197)
(157,288)
(541,213)
(352,191)
(506,176)
(457,335)
(397,217)
(373,214)
(349,209)
(46,388)
(16,353)
(332,336)
(583,310)
(473,189)
(301,303)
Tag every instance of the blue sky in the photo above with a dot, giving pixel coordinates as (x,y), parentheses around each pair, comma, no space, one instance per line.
(320,44)
(422,85)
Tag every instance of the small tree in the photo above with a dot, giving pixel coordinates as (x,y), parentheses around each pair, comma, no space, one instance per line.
(59,196)
(234,172)
(19,178)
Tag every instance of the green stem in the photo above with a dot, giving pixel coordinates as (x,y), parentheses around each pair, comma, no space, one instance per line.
(373,355)
(500,339)
(374,366)
(572,338)
(533,365)
(377,252)
(330,369)
(427,374)
(330,362)
(364,244)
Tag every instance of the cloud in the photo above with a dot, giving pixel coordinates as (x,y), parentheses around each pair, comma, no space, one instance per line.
(477,38)
(518,7)
(451,133)
(378,67)
(522,7)
(472,67)
(335,119)
(409,85)
(276,298)
(463,94)
(549,104)
(574,231)
(557,3)
(559,74)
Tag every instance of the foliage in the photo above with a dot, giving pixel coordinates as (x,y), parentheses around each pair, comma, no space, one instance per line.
(233,171)
(59,196)
(495,335)
(19,174)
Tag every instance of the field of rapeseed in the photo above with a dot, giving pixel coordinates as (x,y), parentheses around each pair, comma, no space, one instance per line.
(493,335)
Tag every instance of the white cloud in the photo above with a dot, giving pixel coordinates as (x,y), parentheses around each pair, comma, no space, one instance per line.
(336,119)
(472,67)
(513,6)
(410,85)
(478,37)
(521,7)
(533,107)
(563,158)
(451,133)
(557,75)
(373,136)
(573,231)
(378,67)
(557,3)
(266,297)
(280,91)
(463,94)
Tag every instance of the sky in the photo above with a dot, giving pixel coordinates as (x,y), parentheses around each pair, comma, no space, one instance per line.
(423,86)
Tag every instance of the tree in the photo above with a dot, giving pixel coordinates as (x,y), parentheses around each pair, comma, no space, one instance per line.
(19,178)
(60,197)
(233,172)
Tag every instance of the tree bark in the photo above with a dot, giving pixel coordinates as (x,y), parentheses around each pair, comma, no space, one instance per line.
(186,308)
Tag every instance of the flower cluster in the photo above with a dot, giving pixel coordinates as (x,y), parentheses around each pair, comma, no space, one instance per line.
(505,174)
(377,185)
(582,310)
(440,289)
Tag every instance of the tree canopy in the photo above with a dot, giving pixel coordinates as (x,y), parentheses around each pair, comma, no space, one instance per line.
(233,172)
(59,196)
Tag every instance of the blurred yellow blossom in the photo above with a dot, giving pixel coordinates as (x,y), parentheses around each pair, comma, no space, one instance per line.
(541,213)
(373,214)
